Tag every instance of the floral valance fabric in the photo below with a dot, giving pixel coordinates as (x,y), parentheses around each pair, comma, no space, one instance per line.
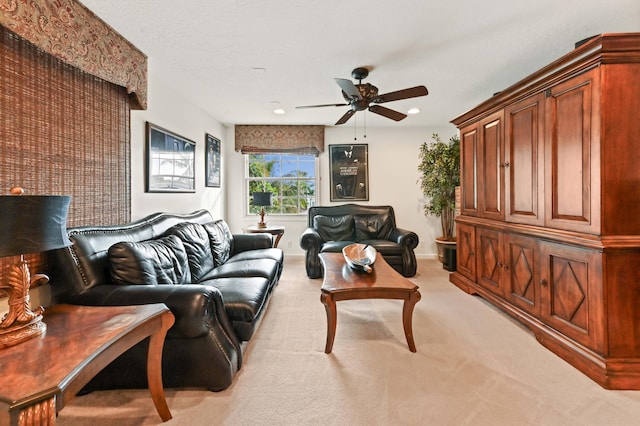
(69,31)
(252,139)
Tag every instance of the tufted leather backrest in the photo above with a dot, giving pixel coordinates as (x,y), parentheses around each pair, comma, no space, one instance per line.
(354,210)
(85,264)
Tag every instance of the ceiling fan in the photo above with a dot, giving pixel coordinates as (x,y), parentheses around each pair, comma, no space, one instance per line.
(365,96)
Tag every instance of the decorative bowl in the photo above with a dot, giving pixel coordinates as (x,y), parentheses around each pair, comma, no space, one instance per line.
(360,256)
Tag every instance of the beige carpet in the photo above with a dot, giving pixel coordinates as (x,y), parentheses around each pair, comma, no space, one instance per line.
(474,366)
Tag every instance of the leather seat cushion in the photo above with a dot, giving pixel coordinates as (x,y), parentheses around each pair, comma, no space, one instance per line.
(383,246)
(255,254)
(243,298)
(265,268)
(334,246)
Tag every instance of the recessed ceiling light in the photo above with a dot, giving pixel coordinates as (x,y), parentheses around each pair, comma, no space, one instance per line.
(279,111)
(413,111)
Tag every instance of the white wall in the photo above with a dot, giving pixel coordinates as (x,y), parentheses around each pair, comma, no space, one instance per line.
(393,180)
(169,110)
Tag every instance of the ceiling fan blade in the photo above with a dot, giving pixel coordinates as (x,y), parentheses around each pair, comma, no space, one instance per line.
(349,88)
(412,92)
(347,115)
(320,106)
(386,112)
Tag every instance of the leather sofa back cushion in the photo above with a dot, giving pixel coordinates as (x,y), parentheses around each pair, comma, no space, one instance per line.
(196,243)
(220,240)
(159,261)
(334,228)
(373,227)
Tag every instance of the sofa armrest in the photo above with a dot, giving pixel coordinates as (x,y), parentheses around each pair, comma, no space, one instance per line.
(197,308)
(244,242)
(404,238)
(311,240)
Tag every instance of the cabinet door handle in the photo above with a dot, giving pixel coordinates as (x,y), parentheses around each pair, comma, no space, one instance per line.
(505,164)
(543,282)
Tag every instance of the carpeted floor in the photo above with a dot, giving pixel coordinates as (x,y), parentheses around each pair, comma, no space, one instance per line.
(474,366)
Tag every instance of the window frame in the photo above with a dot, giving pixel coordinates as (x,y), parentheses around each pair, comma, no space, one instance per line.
(282,155)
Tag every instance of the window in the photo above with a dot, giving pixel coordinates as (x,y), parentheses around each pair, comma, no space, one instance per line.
(290,177)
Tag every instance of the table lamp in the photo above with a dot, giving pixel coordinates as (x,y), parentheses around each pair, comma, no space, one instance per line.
(262,199)
(28,224)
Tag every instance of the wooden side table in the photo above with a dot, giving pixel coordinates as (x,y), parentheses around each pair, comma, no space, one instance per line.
(42,375)
(276,231)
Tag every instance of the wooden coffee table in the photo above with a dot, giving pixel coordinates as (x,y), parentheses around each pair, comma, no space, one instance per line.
(343,283)
(41,375)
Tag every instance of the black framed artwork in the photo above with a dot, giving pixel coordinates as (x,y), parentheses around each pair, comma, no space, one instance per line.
(170,161)
(349,172)
(212,161)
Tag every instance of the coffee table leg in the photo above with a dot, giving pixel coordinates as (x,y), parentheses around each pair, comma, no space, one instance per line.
(330,307)
(154,367)
(407,316)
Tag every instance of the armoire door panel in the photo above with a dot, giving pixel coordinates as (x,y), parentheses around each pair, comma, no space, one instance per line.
(469,171)
(521,285)
(489,264)
(524,153)
(571,186)
(466,247)
(572,293)
(492,179)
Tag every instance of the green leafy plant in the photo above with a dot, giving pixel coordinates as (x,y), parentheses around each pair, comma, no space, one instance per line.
(440,174)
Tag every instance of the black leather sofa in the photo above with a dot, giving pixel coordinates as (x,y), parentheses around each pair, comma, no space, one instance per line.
(216,284)
(330,228)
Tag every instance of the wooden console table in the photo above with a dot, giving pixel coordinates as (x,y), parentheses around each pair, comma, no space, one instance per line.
(42,375)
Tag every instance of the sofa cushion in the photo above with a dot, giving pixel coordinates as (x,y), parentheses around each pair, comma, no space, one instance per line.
(372,227)
(334,228)
(265,268)
(196,243)
(159,261)
(220,240)
(256,254)
(385,247)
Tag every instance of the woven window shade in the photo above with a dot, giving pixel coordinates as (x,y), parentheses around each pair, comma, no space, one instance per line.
(72,33)
(62,132)
(282,139)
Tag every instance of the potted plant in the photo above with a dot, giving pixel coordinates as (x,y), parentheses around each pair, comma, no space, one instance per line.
(439,169)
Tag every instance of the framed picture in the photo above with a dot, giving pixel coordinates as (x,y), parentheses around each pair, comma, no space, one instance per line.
(349,172)
(170,161)
(212,161)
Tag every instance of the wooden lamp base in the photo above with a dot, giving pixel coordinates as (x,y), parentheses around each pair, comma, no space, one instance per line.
(262,223)
(21,323)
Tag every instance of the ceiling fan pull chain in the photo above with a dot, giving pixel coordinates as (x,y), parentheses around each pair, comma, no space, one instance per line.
(364,116)
(355,128)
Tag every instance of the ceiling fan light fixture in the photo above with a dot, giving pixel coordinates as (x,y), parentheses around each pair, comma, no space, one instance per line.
(413,111)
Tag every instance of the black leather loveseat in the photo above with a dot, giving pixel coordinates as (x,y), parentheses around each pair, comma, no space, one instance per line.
(216,284)
(331,228)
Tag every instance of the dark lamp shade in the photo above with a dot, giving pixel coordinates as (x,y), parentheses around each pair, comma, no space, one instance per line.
(262,198)
(33,223)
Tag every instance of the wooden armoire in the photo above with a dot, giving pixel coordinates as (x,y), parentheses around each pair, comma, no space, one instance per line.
(549,229)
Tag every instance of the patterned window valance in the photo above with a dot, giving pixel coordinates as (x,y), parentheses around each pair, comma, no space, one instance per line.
(69,31)
(265,139)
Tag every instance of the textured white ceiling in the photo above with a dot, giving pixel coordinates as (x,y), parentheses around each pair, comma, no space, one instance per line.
(240,59)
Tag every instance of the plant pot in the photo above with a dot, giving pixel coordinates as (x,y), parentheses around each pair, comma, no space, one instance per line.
(441,244)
